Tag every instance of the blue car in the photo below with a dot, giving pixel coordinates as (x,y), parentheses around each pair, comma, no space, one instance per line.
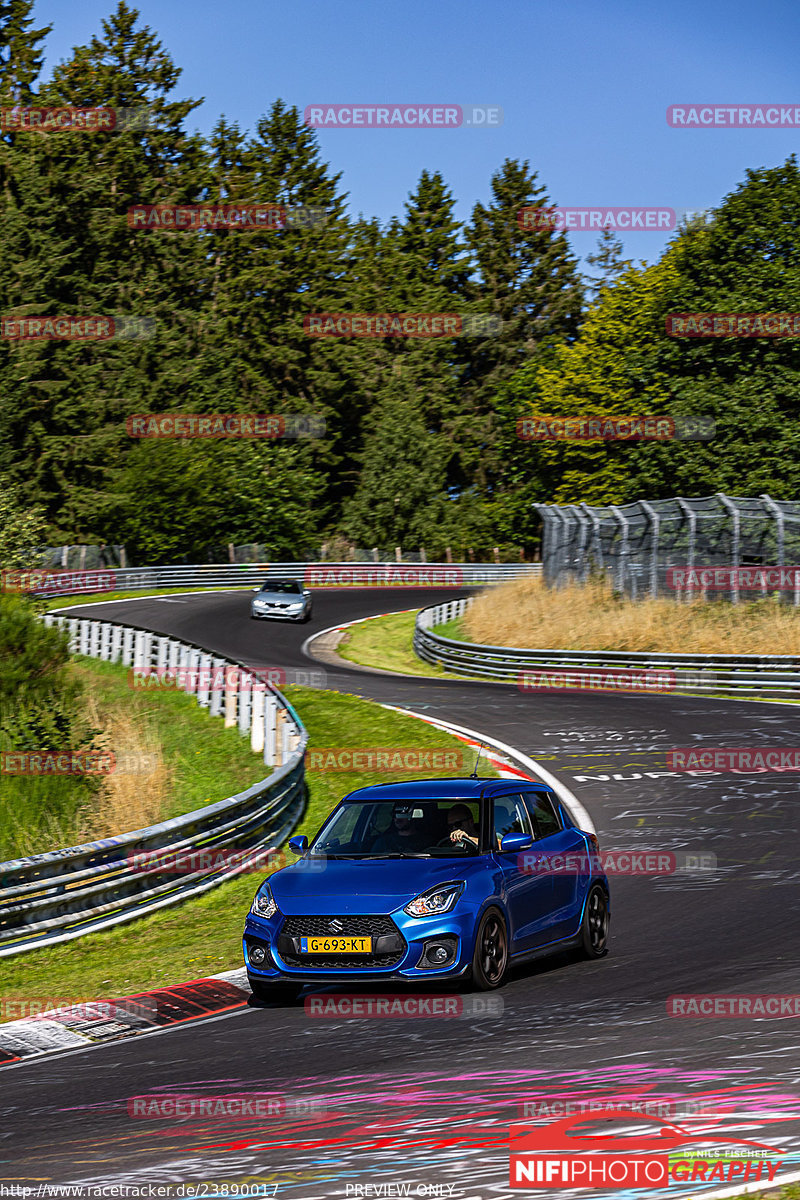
(454,879)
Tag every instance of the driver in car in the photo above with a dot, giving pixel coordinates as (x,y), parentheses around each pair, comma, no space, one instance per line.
(402,835)
(461,824)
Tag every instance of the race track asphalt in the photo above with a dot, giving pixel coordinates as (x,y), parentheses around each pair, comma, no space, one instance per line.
(428,1102)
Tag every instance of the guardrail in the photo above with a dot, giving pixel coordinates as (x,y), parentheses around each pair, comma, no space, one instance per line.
(65,894)
(316,574)
(764,676)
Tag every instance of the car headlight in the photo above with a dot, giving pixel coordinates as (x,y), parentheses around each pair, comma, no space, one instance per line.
(264,903)
(436,900)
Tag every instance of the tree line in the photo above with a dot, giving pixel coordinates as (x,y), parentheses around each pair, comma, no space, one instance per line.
(421,444)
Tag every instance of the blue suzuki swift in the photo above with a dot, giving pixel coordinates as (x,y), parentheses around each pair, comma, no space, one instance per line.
(453,879)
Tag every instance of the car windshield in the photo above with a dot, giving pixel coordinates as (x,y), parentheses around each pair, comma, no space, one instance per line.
(389,829)
(282,585)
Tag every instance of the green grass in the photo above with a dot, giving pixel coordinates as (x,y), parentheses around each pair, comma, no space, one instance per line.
(386,642)
(203,936)
(454,630)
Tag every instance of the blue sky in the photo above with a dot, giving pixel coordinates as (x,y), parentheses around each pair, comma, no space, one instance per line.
(583,84)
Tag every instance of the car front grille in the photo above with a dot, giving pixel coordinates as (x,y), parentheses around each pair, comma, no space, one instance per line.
(390,945)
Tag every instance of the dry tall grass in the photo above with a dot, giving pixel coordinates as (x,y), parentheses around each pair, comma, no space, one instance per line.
(525,613)
(129,798)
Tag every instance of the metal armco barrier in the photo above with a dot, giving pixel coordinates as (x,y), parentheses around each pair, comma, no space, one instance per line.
(65,894)
(749,675)
(323,574)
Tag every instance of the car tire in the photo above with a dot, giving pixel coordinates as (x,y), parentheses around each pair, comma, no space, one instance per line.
(594,926)
(490,959)
(274,992)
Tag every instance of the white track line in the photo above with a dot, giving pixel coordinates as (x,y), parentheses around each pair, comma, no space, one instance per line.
(158,596)
(564,794)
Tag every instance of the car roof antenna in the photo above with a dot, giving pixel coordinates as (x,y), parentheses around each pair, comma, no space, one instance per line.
(474,774)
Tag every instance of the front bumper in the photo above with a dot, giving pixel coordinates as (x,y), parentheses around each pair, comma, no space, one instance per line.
(401,961)
(277,614)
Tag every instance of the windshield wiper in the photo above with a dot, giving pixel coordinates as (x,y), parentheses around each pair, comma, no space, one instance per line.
(400,854)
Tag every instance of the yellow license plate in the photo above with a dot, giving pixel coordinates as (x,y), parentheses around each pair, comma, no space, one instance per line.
(336,945)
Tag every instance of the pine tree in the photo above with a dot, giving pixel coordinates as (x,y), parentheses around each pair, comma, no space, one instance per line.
(528,278)
(21,56)
(67,249)
(609,261)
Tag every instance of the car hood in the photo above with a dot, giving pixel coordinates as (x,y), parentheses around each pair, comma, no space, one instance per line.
(280,597)
(363,886)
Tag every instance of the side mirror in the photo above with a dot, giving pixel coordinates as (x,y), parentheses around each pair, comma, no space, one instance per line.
(298,844)
(513,842)
(255,589)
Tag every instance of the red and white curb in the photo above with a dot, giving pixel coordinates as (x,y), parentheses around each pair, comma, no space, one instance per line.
(91,1022)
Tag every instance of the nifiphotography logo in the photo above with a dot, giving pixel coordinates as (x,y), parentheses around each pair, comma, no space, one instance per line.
(550,1156)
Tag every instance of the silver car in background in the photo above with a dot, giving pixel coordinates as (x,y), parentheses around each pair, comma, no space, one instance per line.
(281,599)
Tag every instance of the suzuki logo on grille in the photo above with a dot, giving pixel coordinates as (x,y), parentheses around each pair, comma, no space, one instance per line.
(335,926)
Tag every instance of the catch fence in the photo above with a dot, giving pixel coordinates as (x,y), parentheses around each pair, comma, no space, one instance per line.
(726,546)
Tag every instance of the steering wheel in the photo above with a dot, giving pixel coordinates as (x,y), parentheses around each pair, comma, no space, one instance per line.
(462,843)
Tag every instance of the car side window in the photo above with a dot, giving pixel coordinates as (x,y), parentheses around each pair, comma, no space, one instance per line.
(509,817)
(544,818)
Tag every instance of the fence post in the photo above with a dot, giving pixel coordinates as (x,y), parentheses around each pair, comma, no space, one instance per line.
(257,722)
(777,513)
(691,519)
(232,677)
(204,680)
(583,540)
(246,683)
(270,729)
(279,734)
(655,521)
(733,511)
(218,667)
(623,554)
